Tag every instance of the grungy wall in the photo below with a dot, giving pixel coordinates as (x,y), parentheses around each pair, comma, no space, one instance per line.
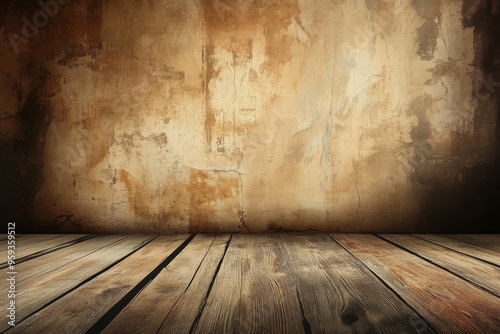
(250,115)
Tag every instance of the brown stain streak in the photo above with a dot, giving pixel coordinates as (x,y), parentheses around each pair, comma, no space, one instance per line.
(233,26)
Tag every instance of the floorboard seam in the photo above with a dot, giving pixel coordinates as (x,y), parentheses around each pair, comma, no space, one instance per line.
(79,258)
(84,282)
(189,284)
(305,323)
(420,317)
(106,319)
(457,251)
(203,304)
(435,264)
(471,243)
(49,250)
(197,268)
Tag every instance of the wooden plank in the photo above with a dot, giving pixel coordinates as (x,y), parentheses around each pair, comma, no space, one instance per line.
(491,241)
(33,268)
(35,247)
(186,310)
(339,294)
(268,300)
(478,272)
(34,294)
(77,311)
(222,307)
(23,240)
(168,287)
(478,252)
(38,241)
(450,304)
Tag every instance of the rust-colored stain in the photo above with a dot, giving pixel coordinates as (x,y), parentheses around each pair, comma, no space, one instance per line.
(233,27)
(137,198)
(251,116)
(214,198)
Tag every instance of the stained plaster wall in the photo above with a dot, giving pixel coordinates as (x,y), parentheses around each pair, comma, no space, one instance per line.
(250,116)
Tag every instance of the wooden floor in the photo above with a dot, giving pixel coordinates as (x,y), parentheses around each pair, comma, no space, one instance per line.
(255,284)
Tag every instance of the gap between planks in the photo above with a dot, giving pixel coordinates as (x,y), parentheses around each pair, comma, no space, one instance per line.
(268,283)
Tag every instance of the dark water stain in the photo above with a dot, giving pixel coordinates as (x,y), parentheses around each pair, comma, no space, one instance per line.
(451,196)
(369,4)
(428,32)
(462,144)
(441,69)
(427,36)
(427,9)
(420,107)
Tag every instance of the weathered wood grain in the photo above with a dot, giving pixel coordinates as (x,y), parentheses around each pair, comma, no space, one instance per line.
(478,272)
(23,251)
(478,252)
(29,239)
(261,284)
(33,244)
(167,288)
(491,241)
(35,248)
(268,302)
(29,270)
(339,295)
(34,294)
(450,304)
(221,312)
(79,310)
(187,308)
(23,240)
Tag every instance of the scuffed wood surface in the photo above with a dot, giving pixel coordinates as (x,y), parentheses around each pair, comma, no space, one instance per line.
(449,303)
(259,284)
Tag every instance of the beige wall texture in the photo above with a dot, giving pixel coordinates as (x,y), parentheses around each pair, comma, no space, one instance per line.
(246,115)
